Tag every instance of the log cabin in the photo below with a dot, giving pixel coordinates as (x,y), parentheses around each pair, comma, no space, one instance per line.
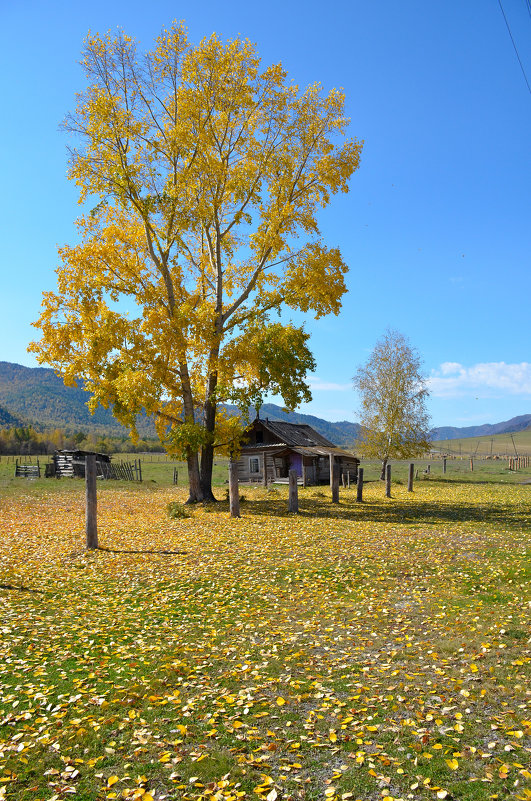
(272,448)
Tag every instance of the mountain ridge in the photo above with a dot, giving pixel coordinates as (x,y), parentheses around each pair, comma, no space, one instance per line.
(37,396)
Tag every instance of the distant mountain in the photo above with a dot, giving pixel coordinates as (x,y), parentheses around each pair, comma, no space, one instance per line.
(509,426)
(37,395)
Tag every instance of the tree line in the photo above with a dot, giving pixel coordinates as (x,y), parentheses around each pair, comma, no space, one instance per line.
(27,440)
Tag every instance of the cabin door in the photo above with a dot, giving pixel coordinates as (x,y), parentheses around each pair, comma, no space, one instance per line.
(295,462)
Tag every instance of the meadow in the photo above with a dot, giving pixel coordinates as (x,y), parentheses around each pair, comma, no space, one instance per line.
(359,651)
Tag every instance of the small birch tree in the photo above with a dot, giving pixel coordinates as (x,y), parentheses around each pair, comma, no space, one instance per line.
(395,423)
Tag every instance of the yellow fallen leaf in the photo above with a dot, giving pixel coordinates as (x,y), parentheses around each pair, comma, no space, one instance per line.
(453,764)
(112,780)
(281,701)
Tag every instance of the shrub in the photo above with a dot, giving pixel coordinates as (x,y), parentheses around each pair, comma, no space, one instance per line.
(176,510)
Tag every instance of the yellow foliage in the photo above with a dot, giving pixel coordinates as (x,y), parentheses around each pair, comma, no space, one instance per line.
(209,171)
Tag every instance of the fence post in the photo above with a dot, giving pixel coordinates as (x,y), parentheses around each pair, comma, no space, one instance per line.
(334,478)
(444,465)
(140,471)
(293,496)
(91,507)
(410,477)
(388,481)
(175,476)
(472,464)
(359,489)
(234,490)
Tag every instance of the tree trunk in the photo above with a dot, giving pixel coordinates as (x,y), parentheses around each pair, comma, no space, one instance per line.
(384,465)
(207,451)
(195,493)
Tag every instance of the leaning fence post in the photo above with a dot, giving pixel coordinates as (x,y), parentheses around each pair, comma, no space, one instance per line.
(359,490)
(410,477)
(293,497)
(234,490)
(91,507)
(388,481)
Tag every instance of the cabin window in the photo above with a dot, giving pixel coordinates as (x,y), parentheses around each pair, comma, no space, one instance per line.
(254,464)
(259,437)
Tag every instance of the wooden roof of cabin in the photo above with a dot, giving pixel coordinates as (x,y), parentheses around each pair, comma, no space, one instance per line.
(295,434)
(319,450)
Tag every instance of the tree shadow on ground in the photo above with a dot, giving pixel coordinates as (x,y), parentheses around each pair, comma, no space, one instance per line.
(19,589)
(145,551)
(396,512)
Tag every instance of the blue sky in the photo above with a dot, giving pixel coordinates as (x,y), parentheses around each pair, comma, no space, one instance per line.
(436,227)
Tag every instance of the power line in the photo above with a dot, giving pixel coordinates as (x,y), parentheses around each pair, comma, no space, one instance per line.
(514,45)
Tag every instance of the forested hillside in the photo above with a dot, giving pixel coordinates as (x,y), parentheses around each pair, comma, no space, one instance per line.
(36,395)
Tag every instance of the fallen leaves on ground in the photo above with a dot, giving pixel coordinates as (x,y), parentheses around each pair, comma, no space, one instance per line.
(362,651)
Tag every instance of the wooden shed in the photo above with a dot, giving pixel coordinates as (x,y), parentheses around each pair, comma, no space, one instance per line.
(72,463)
(273,448)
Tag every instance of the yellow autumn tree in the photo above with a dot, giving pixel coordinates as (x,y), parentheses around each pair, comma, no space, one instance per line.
(208,172)
(395,423)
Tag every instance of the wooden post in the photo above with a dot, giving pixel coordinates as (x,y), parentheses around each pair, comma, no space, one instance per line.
(444,464)
(428,469)
(410,477)
(91,506)
(140,471)
(348,479)
(359,491)
(293,497)
(472,463)
(265,469)
(334,478)
(388,481)
(234,490)
(304,476)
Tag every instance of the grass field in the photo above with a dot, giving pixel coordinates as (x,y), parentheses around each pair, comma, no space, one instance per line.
(367,651)
(157,472)
(501,444)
